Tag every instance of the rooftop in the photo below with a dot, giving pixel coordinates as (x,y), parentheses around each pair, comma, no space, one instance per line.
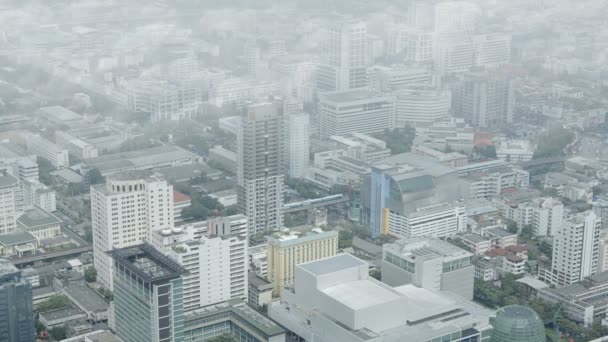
(365,95)
(289,240)
(7,180)
(333,264)
(60,113)
(178,197)
(186,172)
(143,158)
(68,175)
(88,299)
(16,238)
(425,248)
(7,267)
(64,313)
(37,217)
(148,263)
(360,294)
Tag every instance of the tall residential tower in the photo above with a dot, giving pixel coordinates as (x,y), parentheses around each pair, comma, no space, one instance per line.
(260,161)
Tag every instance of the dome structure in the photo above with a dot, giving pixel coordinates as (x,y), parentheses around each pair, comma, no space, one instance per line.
(517,323)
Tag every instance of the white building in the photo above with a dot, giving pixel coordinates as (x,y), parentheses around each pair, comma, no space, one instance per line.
(455,18)
(231,91)
(451,56)
(298,138)
(387,79)
(575,250)
(439,221)
(123,213)
(545,215)
(515,151)
(360,110)
(429,263)
(9,189)
(421,106)
(344,57)
(38,194)
(76,147)
(336,300)
(215,254)
(492,50)
(48,150)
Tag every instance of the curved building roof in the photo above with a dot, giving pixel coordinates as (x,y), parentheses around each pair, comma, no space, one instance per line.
(517,323)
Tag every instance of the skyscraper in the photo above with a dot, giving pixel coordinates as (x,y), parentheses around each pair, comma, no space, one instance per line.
(16,313)
(575,249)
(298,140)
(260,161)
(147,295)
(124,211)
(343,61)
(484,99)
(9,193)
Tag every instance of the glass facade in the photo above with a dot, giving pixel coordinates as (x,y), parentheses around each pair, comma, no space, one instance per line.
(454,265)
(400,262)
(16,312)
(517,323)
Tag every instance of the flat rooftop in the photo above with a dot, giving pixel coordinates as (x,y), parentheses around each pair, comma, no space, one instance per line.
(148,263)
(361,294)
(7,267)
(59,113)
(333,264)
(144,158)
(87,298)
(364,95)
(426,248)
(7,180)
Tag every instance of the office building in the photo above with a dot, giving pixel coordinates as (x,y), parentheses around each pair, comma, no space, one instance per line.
(75,146)
(298,143)
(123,213)
(517,323)
(9,192)
(575,250)
(455,18)
(408,195)
(492,50)
(48,150)
(451,159)
(38,194)
(395,77)
(358,146)
(16,308)
(453,56)
(225,159)
(285,252)
(452,134)
(361,110)
(335,299)
(260,162)
(490,182)
(343,60)
(600,207)
(515,151)
(147,295)
(484,99)
(428,263)
(415,106)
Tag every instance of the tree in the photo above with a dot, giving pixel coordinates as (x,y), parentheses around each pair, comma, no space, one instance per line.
(88,233)
(223,338)
(53,303)
(398,140)
(553,142)
(44,170)
(488,151)
(90,274)
(545,248)
(196,211)
(39,327)
(58,333)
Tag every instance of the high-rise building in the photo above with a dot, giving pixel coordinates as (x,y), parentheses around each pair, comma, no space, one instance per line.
(16,308)
(285,252)
(260,163)
(417,106)
(9,193)
(455,18)
(360,110)
(545,215)
(517,323)
(298,144)
(428,263)
(484,99)
(492,50)
(147,295)
(575,250)
(215,256)
(123,213)
(343,61)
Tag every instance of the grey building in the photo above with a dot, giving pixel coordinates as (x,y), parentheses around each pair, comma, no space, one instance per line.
(484,99)
(16,308)
(147,295)
(429,263)
(260,161)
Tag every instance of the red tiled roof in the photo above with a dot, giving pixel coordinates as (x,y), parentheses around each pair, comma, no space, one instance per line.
(178,197)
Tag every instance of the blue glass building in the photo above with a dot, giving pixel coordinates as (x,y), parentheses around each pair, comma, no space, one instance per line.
(16,312)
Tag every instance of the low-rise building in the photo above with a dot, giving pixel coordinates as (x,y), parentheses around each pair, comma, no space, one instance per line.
(60,317)
(48,150)
(515,151)
(260,291)
(40,223)
(180,202)
(476,243)
(451,159)
(224,158)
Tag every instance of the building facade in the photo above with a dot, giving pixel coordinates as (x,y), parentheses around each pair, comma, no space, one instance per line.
(298,143)
(286,252)
(48,150)
(16,308)
(123,213)
(260,162)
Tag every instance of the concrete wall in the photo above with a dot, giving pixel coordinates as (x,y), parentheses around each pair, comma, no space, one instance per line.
(394,276)
(459,281)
